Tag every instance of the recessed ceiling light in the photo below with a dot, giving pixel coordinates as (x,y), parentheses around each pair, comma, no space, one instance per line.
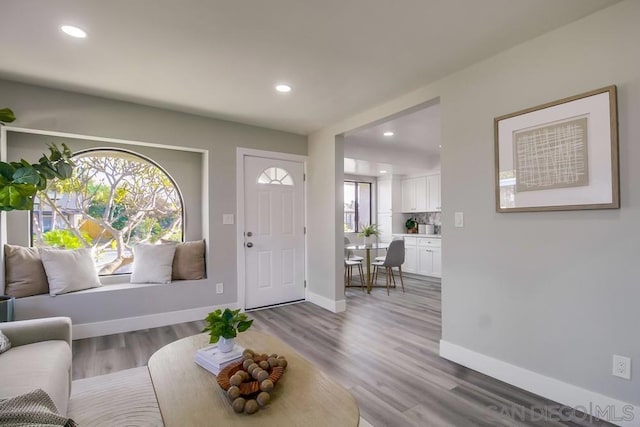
(76,32)
(439,146)
(388,133)
(383,171)
(284,88)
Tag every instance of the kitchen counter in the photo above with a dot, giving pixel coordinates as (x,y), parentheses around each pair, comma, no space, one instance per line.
(437,236)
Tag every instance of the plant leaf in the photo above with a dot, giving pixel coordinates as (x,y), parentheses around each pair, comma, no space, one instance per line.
(243,326)
(17,196)
(7,170)
(6,115)
(26,175)
(65,170)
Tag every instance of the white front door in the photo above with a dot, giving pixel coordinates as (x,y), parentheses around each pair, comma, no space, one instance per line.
(273,231)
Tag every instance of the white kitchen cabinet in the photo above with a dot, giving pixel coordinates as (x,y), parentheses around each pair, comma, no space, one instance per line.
(425,261)
(385,226)
(408,195)
(414,195)
(423,255)
(434,202)
(429,257)
(410,259)
(437,262)
(385,197)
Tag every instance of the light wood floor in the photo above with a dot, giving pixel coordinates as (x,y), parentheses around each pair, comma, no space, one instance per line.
(384,349)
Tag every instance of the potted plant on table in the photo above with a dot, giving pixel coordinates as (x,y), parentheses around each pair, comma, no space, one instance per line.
(367,232)
(223,327)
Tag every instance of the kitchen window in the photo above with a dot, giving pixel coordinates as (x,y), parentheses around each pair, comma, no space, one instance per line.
(357,205)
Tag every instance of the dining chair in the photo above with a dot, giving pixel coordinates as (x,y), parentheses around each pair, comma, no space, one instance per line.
(348,253)
(348,273)
(394,258)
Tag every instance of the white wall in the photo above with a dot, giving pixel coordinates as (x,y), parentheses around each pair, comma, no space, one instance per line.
(555,293)
(41,108)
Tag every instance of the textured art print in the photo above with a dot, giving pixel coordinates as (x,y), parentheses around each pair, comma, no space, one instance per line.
(559,156)
(551,156)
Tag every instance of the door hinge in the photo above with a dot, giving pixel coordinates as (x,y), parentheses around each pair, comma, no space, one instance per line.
(305,284)
(304,176)
(305,230)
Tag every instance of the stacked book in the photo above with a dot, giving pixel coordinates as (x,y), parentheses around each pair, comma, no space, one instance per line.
(213,360)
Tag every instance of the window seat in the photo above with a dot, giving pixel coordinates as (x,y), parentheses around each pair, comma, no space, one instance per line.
(120,307)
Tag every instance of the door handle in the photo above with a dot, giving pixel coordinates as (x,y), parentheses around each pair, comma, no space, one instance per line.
(249,234)
(249,244)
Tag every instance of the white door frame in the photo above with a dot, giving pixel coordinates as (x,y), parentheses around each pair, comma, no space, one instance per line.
(241,153)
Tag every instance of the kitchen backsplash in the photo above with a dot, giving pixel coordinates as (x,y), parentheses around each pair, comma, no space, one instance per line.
(427,218)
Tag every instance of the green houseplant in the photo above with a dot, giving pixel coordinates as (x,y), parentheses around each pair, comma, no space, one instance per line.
(20,181)
(223,327)
(366,231)
(411,224)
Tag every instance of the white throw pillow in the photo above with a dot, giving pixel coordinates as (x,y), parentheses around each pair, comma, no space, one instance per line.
(69,270)
(152,263)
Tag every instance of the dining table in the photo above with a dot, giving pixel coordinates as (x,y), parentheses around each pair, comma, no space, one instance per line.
(367,248)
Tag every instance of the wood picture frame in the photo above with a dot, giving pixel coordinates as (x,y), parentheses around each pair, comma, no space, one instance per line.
(559,156)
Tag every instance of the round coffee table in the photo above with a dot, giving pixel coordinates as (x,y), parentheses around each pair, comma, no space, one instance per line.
(188,395)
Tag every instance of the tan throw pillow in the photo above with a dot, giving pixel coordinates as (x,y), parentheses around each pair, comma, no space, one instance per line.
(24,273)
(188,261)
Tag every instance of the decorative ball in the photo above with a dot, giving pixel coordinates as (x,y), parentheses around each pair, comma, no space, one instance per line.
(280,357)
(262,375)
(256,372)
(266,385)
(272,361)
(264,364)
(245,375)
(274,355)
(263,398)
(251,407)
(252,367)
(247,356)
(247,363)
(233,392)
(282,363)
(235,379)
(265,356)
(248,351)
(238,404)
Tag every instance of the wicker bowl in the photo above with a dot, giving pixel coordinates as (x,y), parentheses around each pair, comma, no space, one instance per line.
(249,387)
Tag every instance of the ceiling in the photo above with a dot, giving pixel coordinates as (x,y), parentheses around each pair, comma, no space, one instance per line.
(415,131)
(413,148)
(222,58)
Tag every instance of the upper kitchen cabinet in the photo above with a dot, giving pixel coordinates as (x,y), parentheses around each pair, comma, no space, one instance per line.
(434,203)
(421,194)
(389,195)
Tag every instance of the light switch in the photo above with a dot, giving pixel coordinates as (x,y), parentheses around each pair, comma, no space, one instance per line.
(227,219)
(459,219)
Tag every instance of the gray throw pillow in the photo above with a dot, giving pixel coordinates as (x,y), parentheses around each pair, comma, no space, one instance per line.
(5,344)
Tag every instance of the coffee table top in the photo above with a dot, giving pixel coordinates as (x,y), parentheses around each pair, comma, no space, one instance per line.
(189,395)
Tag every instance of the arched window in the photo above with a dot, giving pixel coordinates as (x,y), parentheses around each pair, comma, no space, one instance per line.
(276,176)
(115,200)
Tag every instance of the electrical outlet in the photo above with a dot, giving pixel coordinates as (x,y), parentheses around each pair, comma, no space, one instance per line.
(227,219)
(219,288)
(622,367)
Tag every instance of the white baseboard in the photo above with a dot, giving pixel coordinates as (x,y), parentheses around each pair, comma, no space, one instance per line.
(567,394)
(327,303)
(156,320)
